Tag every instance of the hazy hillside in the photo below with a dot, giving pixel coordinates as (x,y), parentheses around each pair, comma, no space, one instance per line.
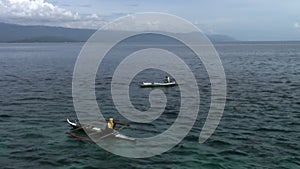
(16,33)
(220,38)
(20,33)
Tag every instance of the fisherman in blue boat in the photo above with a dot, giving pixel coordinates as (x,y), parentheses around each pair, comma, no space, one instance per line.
(167,79)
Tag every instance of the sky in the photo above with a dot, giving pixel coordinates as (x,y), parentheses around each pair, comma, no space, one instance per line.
(252,20)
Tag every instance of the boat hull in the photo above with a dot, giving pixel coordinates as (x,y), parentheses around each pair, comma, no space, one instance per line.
(97,132)
(148,84)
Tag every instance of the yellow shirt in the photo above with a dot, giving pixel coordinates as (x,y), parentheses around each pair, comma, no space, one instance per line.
(110,125)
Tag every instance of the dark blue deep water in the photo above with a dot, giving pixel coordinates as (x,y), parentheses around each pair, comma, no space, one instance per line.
(260,127)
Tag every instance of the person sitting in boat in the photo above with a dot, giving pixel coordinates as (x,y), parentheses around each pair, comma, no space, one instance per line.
(167,79)
(111,124)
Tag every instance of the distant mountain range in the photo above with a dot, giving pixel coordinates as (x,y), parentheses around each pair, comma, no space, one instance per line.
(18,33)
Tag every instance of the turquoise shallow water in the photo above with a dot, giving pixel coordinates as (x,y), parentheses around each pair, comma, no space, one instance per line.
(259,129)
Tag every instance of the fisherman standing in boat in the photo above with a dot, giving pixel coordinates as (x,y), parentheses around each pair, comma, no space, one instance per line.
(167,79)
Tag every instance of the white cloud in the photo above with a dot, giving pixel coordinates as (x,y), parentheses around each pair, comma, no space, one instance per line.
(297,25)
(151,21)
(39,12)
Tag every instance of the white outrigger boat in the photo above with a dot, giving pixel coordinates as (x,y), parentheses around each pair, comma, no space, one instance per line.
(100,133)
(154,84)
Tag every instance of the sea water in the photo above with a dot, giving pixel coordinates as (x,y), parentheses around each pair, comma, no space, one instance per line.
(260,127)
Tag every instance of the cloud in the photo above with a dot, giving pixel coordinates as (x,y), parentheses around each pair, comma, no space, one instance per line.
(39,12)
(150,22)
(297,25)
